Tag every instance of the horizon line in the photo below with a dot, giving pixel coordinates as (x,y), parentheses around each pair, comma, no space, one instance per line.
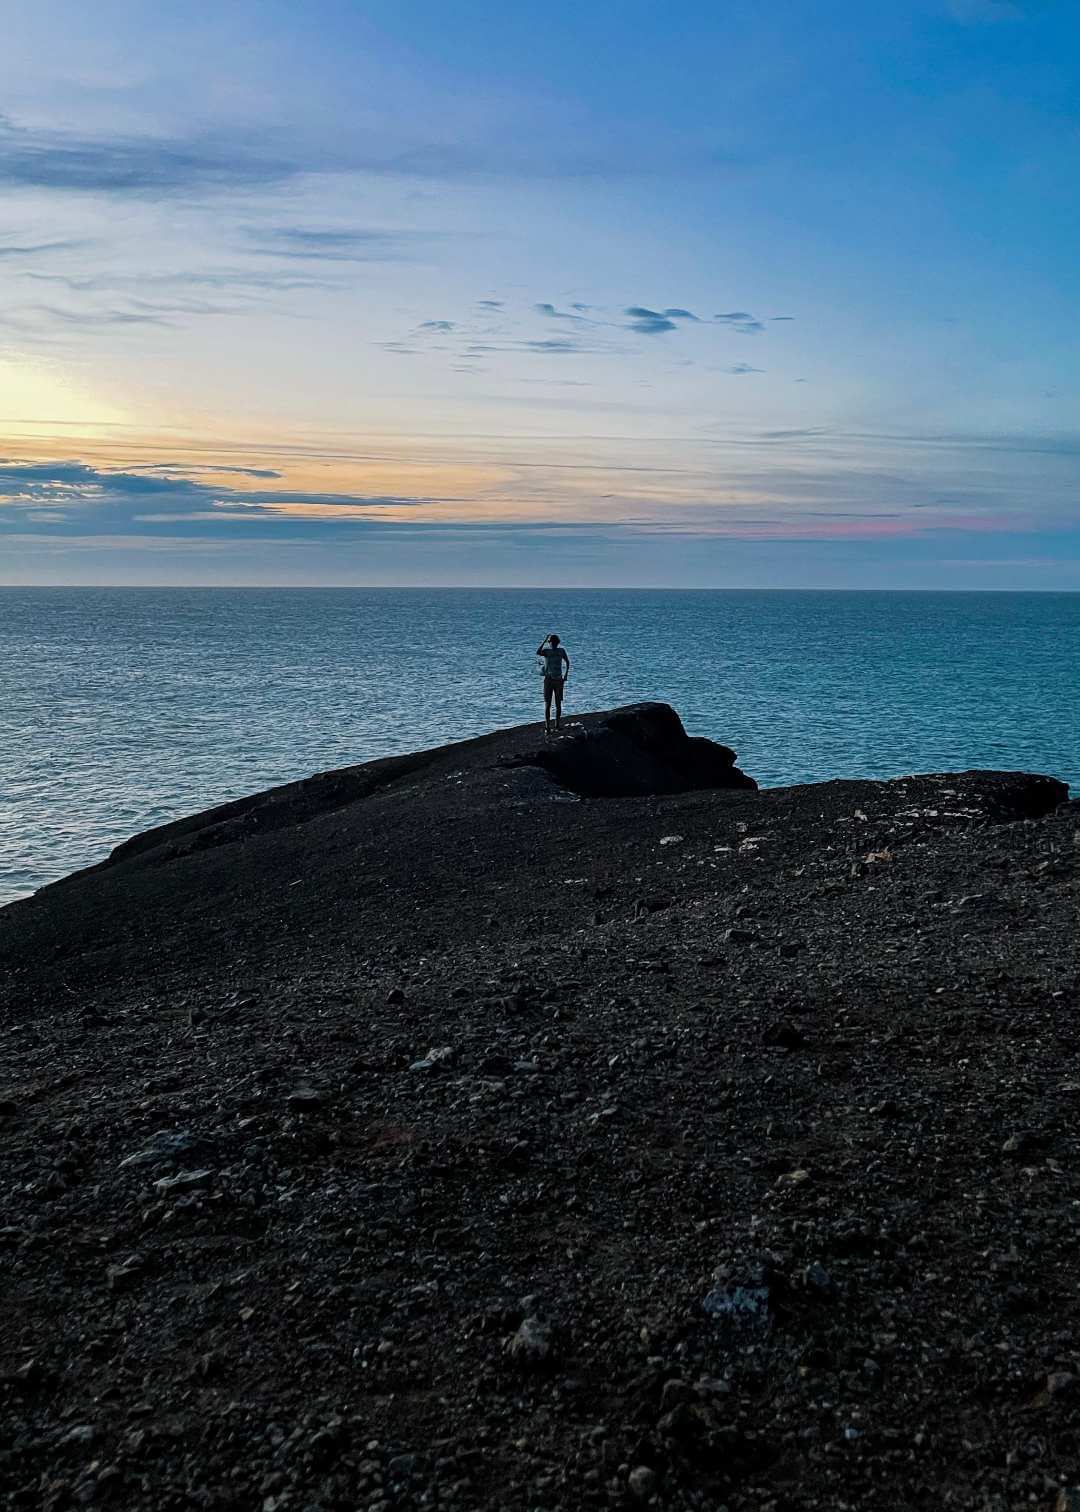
(485,588)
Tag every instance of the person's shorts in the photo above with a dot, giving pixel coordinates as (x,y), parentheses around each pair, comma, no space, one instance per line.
(553,685)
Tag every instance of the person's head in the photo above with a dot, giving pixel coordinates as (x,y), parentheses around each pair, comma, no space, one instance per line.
(553,639)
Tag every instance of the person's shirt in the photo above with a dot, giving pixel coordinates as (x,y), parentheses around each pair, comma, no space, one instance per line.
(553,658)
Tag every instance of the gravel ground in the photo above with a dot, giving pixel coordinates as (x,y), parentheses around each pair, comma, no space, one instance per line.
(426,1135)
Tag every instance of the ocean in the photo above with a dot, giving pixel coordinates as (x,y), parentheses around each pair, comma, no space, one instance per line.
(123,708)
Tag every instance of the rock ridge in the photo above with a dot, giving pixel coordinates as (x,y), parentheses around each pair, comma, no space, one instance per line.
(637,750)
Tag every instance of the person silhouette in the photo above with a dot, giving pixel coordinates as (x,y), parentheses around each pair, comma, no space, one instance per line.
(556,670)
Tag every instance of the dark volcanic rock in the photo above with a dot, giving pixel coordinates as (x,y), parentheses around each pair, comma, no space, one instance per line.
(423,1135)
(635,752)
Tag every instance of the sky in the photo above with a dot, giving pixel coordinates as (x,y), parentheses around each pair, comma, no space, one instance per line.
(761,293)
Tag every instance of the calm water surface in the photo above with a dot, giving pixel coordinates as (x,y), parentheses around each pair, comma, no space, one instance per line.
(122,708)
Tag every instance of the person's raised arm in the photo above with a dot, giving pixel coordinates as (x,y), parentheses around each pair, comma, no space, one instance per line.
(540,647)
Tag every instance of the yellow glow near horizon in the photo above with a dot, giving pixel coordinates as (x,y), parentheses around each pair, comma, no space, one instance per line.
(36,394)
(372,469)
(445,481)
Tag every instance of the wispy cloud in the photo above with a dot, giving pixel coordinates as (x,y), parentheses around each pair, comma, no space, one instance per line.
(553,344)
(27,316)
(741,321)
(648,322)
(556,344)
(239,281)
(497,329)
(39,159)
(137,299)
(741,368)
(33,249)
(552,313)
(338,244)
(71,490)
(217,160)
(197,467)
(795,433)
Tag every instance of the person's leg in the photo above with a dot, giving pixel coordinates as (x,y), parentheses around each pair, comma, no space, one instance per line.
(558,702)
(547,704)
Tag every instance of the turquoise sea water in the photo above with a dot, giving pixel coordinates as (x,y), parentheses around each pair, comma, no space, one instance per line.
(122,708)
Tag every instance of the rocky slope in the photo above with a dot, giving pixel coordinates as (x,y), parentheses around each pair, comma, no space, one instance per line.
(432,1135)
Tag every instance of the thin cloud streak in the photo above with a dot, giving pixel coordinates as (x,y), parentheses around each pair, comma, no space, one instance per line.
(236,279)
(27,318)
(76,488)
(221,161)
(134,164)
(337,245)
(34,249)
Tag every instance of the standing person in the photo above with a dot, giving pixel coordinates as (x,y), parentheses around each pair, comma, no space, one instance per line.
(556,671)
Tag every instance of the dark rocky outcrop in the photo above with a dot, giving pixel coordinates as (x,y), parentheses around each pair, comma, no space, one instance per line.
(637,751)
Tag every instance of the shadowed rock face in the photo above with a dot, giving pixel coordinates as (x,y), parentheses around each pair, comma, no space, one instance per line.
(635,752)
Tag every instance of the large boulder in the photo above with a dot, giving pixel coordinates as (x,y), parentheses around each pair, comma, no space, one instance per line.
(632,752)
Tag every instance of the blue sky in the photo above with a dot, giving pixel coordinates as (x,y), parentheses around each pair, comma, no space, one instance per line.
(645,293)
